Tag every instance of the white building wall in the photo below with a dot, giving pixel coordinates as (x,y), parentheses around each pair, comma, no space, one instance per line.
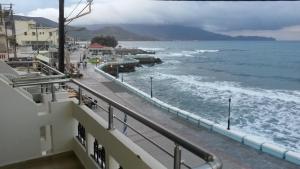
(20,123)
(19,128)
(3,39)
(65,127)
(26,32)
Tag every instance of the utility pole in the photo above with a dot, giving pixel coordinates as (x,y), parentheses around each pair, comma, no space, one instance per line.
(61,48)
(13,31)
(61,21)
(37,37)
(6,37)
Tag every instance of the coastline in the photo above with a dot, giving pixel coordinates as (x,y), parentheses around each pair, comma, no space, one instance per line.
(239,136)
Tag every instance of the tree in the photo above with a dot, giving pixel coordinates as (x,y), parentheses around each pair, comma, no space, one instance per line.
(105,41)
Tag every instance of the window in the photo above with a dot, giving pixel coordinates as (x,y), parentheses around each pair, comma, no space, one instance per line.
(25,33)
(50,33)
(33,33)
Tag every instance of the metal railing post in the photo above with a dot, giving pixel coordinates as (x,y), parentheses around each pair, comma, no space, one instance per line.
(177,157)
(53,92)
(42,88)
(79,95)
(151,94)
(110,117)
(28,69)
(49,72)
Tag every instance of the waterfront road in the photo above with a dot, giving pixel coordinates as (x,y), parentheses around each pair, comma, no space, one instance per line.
(233,154)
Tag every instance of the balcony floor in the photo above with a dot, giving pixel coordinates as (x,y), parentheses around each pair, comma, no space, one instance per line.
(66,160)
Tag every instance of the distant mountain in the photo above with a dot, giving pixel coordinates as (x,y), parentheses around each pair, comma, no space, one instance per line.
(177,32)
(44,22)
(122,34)
(254,38)
(142,32)
(40,20)
(85,34)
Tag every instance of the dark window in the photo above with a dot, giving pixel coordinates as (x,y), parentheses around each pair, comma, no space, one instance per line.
(50,33)
(33,33)
(25,33)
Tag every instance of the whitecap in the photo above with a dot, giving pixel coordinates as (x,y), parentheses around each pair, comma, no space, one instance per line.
(179,54)
(151,49)
(264,112)
(173,62)
(207,51)
(191,53)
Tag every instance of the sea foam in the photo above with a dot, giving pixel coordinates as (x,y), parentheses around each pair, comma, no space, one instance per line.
(269,113)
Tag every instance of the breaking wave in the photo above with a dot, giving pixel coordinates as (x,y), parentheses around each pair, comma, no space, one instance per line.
(207,51)
(191,53)
(152,49)
(270,113)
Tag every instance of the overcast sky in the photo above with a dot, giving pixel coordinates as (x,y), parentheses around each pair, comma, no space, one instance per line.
(277,19)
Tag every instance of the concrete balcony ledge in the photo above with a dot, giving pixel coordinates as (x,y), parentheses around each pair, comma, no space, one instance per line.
(117,145)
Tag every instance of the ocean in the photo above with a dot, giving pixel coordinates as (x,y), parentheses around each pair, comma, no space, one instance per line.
(262,78)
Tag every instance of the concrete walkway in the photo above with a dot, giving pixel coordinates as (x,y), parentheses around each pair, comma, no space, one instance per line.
(233,154)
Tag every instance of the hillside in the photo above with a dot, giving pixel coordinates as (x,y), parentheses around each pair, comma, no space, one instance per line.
(71,30)
(179,32)
(40,20)
(121,34)
(142,32)
(176,32)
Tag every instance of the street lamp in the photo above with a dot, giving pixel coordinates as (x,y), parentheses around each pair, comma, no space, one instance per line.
(151,86)
(117,76)
(228,124)
(122,66)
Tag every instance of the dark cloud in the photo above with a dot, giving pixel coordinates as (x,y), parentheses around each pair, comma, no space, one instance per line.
(217,16)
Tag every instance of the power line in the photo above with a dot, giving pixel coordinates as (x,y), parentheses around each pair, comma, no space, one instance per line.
(77,15)
(80,14)
(74,9)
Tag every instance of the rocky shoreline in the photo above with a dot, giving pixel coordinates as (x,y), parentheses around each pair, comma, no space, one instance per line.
(129,64)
